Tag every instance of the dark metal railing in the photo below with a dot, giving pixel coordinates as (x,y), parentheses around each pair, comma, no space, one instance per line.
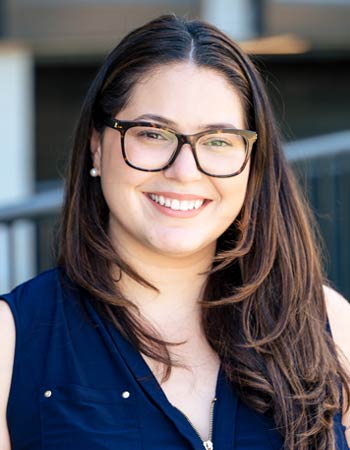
(41,210)
(32,208)
(323,165)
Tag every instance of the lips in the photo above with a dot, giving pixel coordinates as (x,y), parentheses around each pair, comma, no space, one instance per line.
(177,204)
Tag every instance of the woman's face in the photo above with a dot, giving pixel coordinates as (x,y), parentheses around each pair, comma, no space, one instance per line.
(191,99)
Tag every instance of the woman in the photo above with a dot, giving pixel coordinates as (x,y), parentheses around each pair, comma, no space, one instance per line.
(188,309)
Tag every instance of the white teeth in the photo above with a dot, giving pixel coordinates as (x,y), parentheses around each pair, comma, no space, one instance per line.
(184,206)
(198,204)
(175,204)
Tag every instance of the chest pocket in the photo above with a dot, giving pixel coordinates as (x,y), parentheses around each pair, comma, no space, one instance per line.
(79,417)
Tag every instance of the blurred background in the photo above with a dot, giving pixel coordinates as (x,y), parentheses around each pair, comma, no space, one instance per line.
(50,51)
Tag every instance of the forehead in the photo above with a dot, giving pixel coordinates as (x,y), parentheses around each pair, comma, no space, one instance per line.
(187,94)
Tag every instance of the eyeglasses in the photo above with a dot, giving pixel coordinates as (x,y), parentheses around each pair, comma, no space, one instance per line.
(151,147)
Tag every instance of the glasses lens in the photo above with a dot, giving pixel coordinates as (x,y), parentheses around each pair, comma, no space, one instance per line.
(149,147)
(221,153)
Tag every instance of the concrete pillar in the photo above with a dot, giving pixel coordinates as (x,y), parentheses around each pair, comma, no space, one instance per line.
(237,18)
(17,157)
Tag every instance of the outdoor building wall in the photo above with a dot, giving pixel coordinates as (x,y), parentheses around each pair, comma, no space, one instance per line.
(16,156)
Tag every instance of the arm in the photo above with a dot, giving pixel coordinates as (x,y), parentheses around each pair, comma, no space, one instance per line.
(338,310)
(7,351)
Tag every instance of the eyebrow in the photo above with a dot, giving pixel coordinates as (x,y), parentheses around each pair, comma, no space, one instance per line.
(172,124)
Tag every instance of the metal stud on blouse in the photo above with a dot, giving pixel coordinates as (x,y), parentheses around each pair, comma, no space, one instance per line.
(126,394)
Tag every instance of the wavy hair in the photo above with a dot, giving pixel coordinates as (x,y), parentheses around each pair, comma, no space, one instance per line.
(263,308)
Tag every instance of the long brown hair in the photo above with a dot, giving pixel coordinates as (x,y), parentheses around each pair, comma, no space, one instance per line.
(263,309)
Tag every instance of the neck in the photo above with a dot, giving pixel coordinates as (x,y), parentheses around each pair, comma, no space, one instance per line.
(180,281)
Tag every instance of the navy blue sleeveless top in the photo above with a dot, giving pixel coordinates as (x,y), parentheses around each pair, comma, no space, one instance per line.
(78,384)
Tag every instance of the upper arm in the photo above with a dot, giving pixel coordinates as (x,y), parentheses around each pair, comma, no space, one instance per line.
(7,351)
(338,310)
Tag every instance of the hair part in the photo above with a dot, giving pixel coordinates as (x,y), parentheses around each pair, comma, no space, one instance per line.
(263,311)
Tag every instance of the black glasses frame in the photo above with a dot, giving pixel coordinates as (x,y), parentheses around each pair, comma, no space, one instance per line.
(123,126)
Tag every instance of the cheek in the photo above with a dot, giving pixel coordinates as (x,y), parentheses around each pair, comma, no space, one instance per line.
(120,182)
(233,194)
(116,175)
(112,177)
(111,163)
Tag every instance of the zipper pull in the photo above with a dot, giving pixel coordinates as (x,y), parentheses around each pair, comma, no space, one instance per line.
(208,445)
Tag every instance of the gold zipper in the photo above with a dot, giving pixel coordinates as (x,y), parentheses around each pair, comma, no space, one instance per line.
(208,444)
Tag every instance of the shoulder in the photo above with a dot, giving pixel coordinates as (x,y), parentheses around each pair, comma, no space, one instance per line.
(8,338)
(338,310)
(33,299)
(20,308)
(7,331)
(36,287)
(44,280)
(7,352)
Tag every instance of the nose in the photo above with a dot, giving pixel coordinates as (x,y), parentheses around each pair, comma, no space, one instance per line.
(184,168)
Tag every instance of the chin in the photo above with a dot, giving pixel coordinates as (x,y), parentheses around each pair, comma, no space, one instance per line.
(178,249)
(178,252)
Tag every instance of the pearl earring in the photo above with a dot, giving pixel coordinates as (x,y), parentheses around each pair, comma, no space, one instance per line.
(93,172)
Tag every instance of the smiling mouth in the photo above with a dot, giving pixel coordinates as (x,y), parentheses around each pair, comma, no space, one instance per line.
(176,204)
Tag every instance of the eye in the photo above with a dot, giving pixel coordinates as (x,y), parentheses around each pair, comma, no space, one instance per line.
(152,135)
(217,142)
(227,142)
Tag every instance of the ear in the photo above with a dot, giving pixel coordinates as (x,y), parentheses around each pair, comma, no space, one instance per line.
(95,148)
